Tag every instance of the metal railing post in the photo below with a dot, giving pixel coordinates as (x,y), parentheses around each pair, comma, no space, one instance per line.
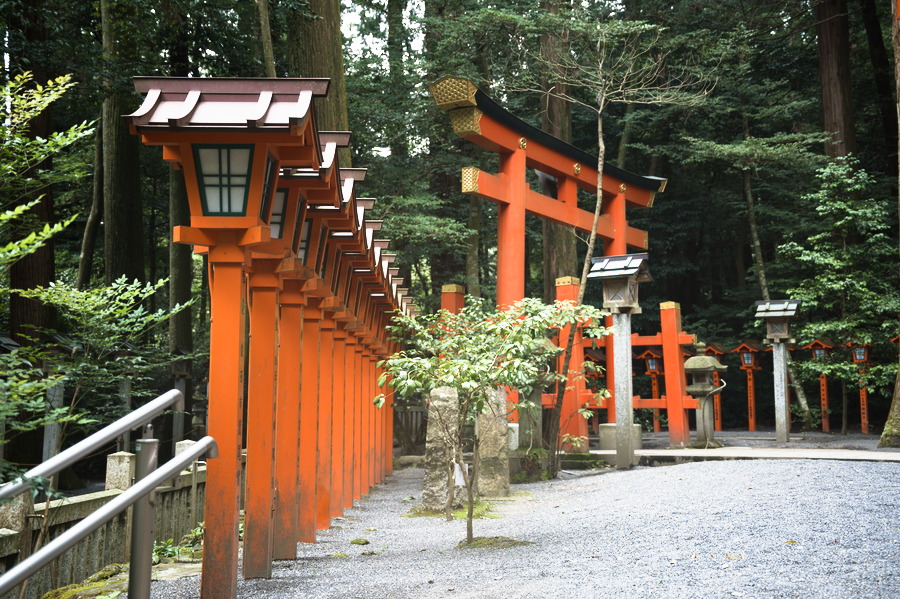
(142,521)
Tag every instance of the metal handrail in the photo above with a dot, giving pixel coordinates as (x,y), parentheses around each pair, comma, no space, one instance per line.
(106,513)
(80,450)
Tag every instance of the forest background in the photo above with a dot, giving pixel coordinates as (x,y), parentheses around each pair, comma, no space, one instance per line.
(781,182)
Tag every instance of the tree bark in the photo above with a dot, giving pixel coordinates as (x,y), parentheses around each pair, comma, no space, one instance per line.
(89,239)
(27,317)
(315,49)
(395,35)
(833,33)
(559,248)
(122,202)
(890,436)
(473,247)
(881,73)
(265,33)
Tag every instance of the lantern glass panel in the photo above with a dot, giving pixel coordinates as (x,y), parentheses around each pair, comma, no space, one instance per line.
(302,239)
(819,352)
(224,175)
(747,358)
(859,353)
(652,364)
(276,222)
(270,179)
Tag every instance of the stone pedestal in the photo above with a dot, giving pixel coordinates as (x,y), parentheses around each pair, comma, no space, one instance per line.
(443,409)
(119,470)
(493,444)
(606,434)
(705,420)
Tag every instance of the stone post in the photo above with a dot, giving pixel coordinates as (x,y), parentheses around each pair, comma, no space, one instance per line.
(119,470)
(493,448)
(782,425)
(443,411)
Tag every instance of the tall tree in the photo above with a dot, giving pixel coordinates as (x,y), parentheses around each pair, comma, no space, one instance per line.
(556,119)
(833,33)
(315,49)
(122,206)
(27,32)
(890,437)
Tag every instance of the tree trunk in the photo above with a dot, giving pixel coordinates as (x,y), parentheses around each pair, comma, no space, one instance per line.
(585,269)
(833,33)
(559,249)
(881,73)
(315,49)
(122,203)
(473,246)
(27,317)
(89,239)
(397,141)
(265,33)
(890,436)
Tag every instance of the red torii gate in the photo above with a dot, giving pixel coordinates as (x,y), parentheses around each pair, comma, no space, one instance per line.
(284,233)
(477,118)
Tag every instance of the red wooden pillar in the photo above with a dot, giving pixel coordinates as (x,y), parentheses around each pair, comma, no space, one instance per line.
(823,396)
(309,423)
(453,298)
(376,418)
(676,383)
(368,421)
(223,481)
(342,387)
(350,432)
(287,434)
(325,439)
(260,474)
(654,390)
(389,425)
(358,447)
(511,229)
(571,421)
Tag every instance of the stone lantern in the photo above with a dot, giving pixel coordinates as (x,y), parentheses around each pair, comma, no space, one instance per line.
(777,314)
(621,276)
(701,369)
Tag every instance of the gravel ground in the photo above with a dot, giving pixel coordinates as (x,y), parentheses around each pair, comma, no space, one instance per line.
(779,528)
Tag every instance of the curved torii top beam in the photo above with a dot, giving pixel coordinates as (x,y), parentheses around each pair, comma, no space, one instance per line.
(481,120)
(477,118)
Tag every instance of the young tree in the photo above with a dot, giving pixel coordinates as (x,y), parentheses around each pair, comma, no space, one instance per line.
(475,352)
(609,61)
(852,302)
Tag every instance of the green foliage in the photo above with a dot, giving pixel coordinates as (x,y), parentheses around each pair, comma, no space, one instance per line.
(478,350)
(21,155)
(849,263)
(107,339)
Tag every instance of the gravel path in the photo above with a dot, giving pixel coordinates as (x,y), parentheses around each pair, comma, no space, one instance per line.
(779,528)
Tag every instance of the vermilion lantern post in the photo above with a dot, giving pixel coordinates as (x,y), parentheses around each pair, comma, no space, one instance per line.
(749,355)
(653,367)
(860,354)
(820,349)
(718,352)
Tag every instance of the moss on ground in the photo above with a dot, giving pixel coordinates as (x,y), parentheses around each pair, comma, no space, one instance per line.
(492,543)
(483,509)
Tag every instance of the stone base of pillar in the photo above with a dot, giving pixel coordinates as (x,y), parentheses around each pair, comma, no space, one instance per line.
(606,434)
